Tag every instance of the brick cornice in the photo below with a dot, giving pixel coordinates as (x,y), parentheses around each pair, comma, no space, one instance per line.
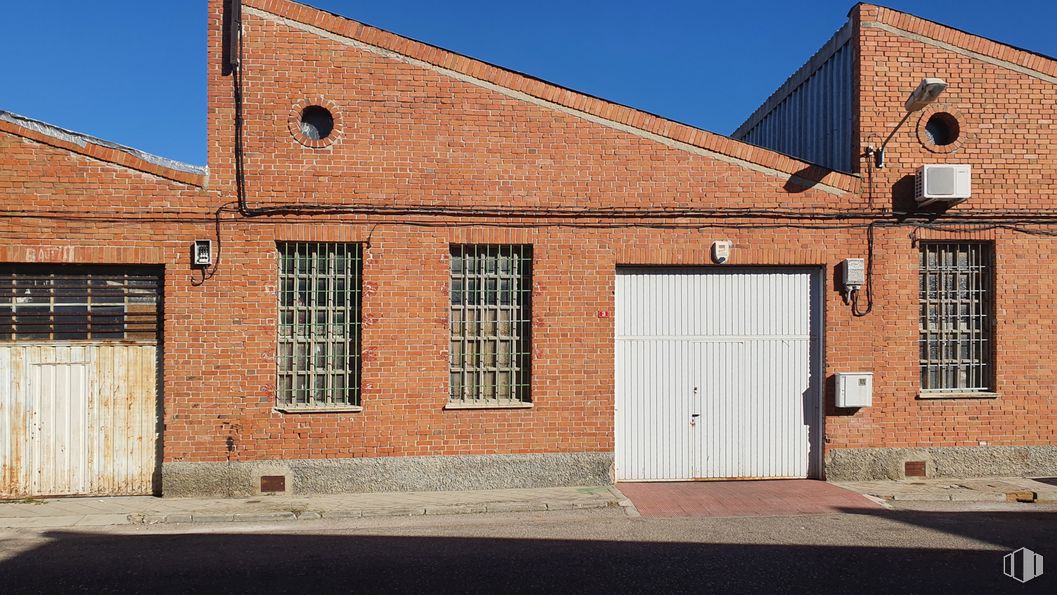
(105,153)
(872,15)
(807,173)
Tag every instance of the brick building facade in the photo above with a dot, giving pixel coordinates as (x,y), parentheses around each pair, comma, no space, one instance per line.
(437,164)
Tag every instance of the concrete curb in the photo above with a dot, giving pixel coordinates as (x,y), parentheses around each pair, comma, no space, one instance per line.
(625,503)
(955,497)
(315,515)
(987,489)
(963,495)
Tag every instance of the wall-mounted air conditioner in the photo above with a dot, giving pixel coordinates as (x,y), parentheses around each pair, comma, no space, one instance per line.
(942,183)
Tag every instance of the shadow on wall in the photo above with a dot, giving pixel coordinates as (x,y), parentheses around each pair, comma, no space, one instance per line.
(814,397)
(830,394)
(904,205)
(805,179)
(239,562)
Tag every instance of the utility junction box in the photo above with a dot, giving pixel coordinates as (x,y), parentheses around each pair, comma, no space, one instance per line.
(854,389)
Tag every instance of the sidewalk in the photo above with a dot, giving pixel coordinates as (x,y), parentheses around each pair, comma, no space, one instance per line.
(990,489)
(130,510)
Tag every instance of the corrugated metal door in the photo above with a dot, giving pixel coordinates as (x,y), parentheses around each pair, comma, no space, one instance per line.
(78,381)
(55,404)
(717,373)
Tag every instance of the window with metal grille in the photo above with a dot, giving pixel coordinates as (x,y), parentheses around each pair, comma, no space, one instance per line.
(75,303)
(491,324)
(319,325)
(956,338)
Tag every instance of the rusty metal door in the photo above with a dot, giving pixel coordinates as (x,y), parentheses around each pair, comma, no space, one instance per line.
(58,423)
(78,381)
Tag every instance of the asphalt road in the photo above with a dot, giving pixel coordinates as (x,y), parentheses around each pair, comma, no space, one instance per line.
(920,551)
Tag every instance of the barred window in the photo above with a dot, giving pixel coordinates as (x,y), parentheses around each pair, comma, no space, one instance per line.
(319,325)
(491,290)
(79,302)
(956,337)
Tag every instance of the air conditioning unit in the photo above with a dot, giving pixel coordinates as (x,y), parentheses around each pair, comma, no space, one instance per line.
(942,183)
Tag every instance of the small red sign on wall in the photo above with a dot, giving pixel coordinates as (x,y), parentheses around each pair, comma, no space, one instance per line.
(603,313)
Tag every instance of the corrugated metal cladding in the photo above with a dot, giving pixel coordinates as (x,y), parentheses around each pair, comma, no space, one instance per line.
(78,416)
(810,116)
(718,373)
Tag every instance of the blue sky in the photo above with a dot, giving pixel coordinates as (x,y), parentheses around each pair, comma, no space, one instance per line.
(133,71)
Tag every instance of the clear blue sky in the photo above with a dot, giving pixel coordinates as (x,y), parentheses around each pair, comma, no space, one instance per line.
(133,71)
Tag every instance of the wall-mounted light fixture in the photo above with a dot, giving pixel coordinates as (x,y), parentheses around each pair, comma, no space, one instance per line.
(927,92)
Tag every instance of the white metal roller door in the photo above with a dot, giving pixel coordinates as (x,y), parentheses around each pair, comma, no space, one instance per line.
(78,380)
(718,373)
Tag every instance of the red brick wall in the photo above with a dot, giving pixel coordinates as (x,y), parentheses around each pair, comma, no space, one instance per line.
(410,135)
(1009,136)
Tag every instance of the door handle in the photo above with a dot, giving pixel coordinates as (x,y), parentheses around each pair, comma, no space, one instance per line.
(695,415)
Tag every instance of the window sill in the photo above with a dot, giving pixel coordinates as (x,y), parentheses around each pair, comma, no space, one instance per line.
(298,410)
(490,405)
(956,395)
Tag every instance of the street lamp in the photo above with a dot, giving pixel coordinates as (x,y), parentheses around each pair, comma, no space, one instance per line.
(927,92)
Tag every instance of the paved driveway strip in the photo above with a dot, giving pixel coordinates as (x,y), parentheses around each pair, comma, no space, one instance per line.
(742,498)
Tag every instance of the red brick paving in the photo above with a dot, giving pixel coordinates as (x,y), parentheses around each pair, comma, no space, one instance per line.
(742,498)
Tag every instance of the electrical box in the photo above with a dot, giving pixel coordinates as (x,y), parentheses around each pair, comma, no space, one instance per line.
(854,389)
(942,183)
(852,273)
(721,251)
(202,253)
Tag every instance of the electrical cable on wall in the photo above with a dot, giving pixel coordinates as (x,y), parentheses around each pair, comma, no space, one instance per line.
(381,215)
(627,216)
(869,277)
(207,273)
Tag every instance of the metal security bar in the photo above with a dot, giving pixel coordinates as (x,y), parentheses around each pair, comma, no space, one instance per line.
(319,324)
(491,324)
(956,338)
(79,303)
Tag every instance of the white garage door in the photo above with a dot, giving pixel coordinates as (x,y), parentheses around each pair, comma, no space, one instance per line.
(78,380)
(718,373)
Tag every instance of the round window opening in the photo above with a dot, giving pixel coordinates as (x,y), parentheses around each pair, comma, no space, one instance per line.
(942,129)
(316,122)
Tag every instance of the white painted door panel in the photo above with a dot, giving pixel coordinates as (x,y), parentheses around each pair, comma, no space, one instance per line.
(58,426)
(738,386)
(660,395)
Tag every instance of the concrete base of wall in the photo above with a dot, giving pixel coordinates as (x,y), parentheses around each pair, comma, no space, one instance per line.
(389,474)
(861,464)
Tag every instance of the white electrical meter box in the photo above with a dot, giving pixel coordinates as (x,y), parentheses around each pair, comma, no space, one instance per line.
(854,389)
(721,251)
(852,273)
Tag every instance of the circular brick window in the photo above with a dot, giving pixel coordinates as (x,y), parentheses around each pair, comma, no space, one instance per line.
(941,129)
(315,122)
